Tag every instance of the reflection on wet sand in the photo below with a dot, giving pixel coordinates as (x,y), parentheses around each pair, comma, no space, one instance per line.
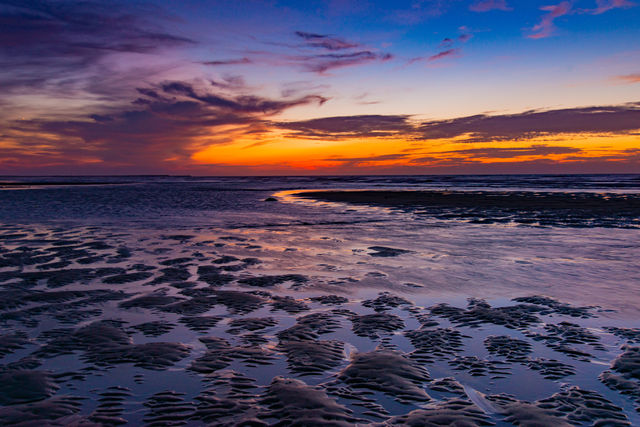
(311,325)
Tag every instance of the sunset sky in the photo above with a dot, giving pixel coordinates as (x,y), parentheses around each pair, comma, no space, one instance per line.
(319,87)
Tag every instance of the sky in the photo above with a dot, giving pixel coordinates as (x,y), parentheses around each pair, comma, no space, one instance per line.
(319,87)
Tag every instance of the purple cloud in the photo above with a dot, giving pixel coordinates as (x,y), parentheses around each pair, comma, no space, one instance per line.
(511,152)
(606,5)
(531,124)
(444,54)
(41,41)
(349,126)
(168,122)
(487,5)
(618,119)
(324,41)
(322,63)
(239,61)
(546,27)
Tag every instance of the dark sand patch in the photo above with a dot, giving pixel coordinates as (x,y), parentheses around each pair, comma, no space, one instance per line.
(330,299)
(453,412)
(154,329)
(550,369)
(220,353)
(312,357)
(153,300)
(238,302)
(389,372)
(172,274)
(288,304)
(558,307)
(624,375)
(68,309)
(310,327)
(127,278)
(105,343)
(479,312)
(431,344)
(110,406)
(250,324)
(577,209)
(271,281)
(383,251)
(386,301)
(479,367)
(176,261)
(372,325)
(213,277)
(564,336)
(55,411)
(60,278)
(12,341)
(568,407)
(24,386)
(632,335)
(512,349)
(447,385)
(293,402)
(168,408)
(200,323)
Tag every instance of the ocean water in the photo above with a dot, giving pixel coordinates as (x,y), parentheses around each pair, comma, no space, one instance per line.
(179,260)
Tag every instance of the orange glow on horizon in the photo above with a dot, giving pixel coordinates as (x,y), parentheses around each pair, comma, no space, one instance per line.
(276,148)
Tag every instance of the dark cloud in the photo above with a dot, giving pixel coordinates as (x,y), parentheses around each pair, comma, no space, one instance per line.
(238,61)
(620,119)
(444,54)
(322,63)
(349,126)
(239,104)
(380,158)
(511,152)
(45,41)
(170,123)
(611,119)
(230,82)
(325,41)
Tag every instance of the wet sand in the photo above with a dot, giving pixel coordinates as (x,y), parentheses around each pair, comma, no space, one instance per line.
(108,326)
(572,209)
(193,304)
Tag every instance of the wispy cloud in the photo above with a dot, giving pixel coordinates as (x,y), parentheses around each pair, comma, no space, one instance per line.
(513,152)
(222,62)
(606,5)
(324,41)
(487,5)
(629,78)
(444,54)
(545,28)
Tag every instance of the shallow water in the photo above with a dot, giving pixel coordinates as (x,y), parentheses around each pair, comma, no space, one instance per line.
(195,256)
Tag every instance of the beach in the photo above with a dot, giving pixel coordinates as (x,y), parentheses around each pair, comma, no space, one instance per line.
(343,301)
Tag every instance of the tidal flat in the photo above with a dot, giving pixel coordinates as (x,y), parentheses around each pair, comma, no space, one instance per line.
(198,303)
